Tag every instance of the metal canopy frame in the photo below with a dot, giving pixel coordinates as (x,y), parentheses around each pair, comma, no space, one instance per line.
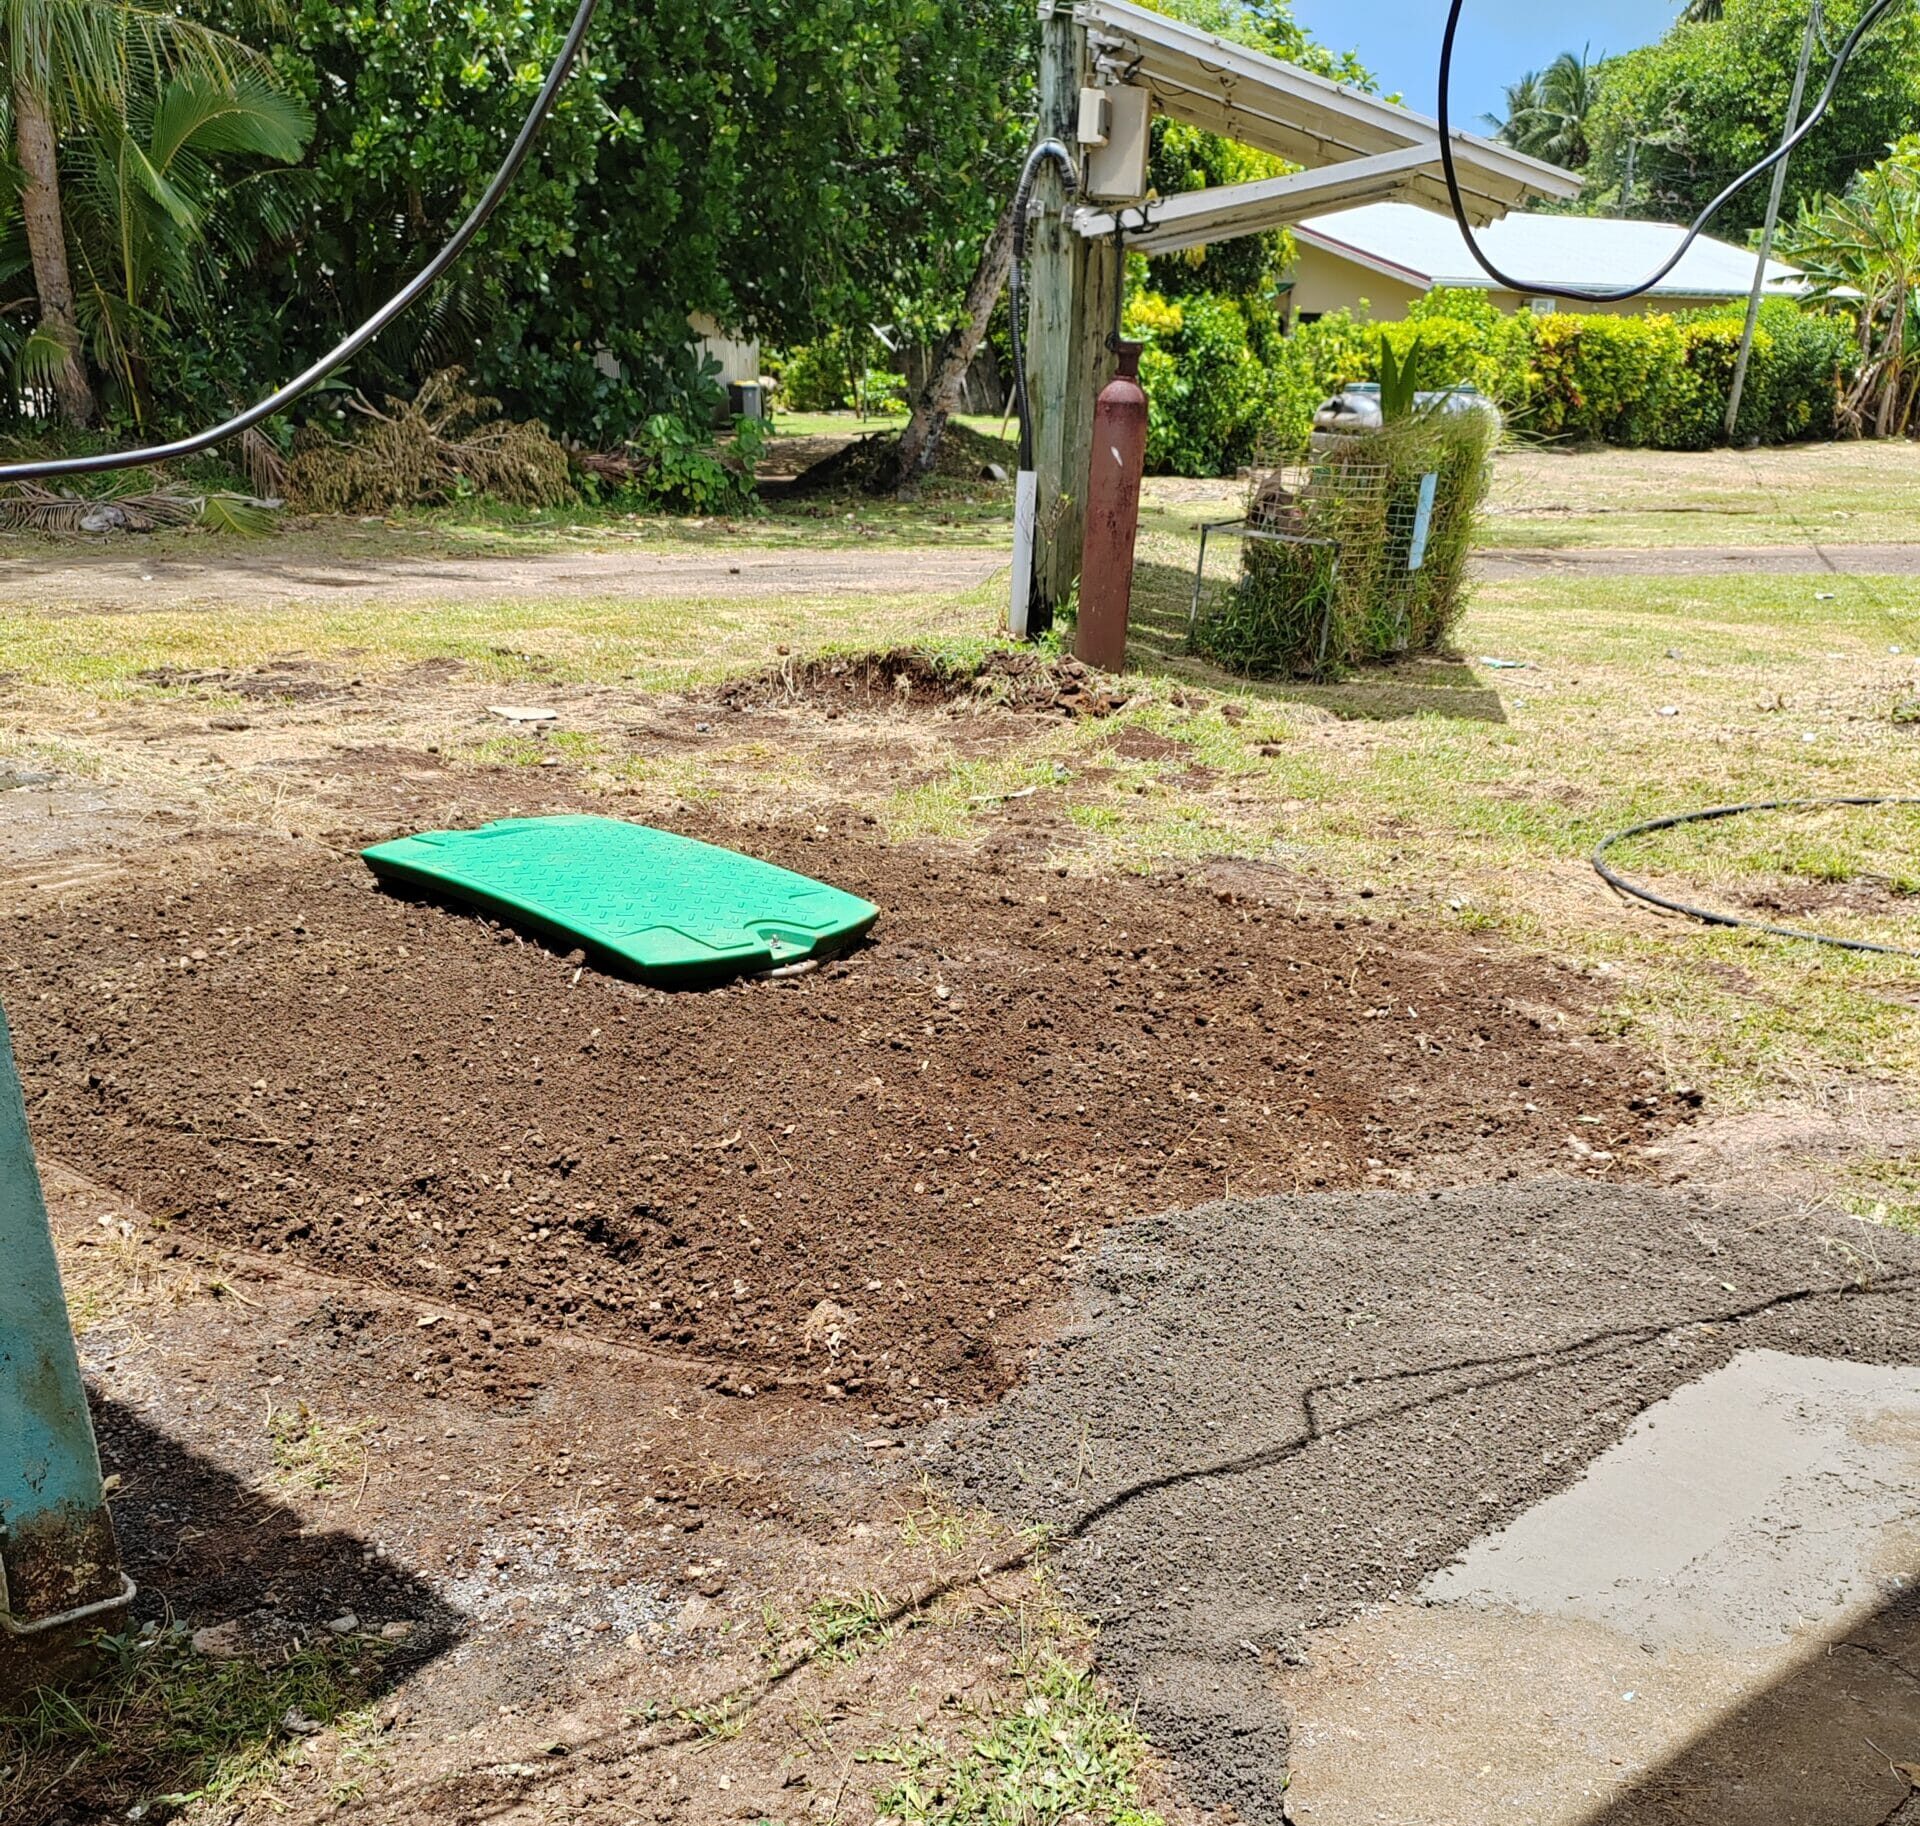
(1355,148)
(1308,120)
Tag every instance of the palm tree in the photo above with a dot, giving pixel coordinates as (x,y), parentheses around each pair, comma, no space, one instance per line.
(143,191)
(66,64)
(1547,110)
(1702,12)
(1521,119)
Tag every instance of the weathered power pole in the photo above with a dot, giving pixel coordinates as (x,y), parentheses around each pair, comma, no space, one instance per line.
(1073,286)
(1774,195)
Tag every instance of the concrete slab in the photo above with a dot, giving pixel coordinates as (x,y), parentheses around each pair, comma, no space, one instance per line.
(1719,1622)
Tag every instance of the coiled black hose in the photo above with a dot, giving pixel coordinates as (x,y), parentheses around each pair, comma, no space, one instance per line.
(1622,885)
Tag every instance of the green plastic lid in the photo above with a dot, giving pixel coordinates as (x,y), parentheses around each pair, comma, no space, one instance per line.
(667,908)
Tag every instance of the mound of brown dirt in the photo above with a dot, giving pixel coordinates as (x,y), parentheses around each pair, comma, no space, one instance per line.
(863,1178)
(910,678)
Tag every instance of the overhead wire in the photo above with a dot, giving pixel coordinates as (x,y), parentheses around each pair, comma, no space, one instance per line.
(1621,294)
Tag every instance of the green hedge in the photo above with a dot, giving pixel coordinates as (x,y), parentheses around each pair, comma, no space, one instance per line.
(1223,393)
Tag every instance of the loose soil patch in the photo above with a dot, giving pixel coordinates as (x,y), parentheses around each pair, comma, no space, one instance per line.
(909,678)
(1275,1412)
(864,1180)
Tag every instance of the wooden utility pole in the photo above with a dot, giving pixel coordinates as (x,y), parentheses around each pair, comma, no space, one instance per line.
(1073,287)
(1772,223)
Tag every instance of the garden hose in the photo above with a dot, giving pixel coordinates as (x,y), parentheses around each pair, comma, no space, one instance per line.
(1870,18)
(1620,884)
(410,294)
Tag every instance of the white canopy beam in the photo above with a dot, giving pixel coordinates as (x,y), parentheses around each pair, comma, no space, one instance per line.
(1199,216)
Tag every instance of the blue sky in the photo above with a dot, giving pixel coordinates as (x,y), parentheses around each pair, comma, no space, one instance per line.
(1399,40)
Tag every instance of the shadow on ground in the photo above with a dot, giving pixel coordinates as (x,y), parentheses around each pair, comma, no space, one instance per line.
(252,1631)
(1437,684)
(1834,1743)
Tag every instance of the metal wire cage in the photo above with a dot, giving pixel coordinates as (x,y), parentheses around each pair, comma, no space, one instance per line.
(1353,548)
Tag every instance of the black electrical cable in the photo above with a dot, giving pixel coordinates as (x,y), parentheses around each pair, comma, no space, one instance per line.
(1868,20)
(1022,199)
(1622,885)
(410,294)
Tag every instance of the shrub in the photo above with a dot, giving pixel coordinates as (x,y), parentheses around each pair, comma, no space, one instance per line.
(1223,389)
(815,379)
(1659,381)
(1467,340)
(677,466)
(1793,389)
(1316,361)
(1208,398)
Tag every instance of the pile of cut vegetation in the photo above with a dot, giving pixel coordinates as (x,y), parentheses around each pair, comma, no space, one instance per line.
(444,443)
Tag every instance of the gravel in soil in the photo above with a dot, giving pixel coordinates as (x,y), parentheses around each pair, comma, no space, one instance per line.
(868,1180)
(1273,1412)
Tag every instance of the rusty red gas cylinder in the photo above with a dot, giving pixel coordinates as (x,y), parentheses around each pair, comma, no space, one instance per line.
(1113,515)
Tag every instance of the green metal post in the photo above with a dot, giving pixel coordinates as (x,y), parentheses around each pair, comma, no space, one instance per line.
(59,1563)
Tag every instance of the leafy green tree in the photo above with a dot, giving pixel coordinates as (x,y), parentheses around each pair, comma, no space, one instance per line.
(1862,249)
(1675,122)
(1269,26)
(792,169)
(68,66)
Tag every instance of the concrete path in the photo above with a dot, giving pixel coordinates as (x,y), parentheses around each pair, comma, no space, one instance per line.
(1720,1622)
(127,577)
(1705,561)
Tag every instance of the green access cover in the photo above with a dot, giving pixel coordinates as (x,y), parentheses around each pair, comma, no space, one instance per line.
(669,908)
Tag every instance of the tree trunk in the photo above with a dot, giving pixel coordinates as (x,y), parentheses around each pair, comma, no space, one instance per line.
(920,442)
(1896,336)
(47,244)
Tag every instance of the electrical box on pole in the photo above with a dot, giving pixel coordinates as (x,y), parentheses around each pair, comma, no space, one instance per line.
(1117,161)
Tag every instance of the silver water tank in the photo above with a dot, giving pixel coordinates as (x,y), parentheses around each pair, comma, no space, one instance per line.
(1355,410)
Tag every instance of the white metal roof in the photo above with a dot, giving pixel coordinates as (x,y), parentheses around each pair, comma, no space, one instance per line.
(1425,249)
(1306,119)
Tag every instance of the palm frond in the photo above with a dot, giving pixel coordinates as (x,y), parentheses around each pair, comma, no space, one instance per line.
(246,115)
(28,507)
(235,514)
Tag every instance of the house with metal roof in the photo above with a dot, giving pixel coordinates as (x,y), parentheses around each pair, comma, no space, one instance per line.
(1377,259)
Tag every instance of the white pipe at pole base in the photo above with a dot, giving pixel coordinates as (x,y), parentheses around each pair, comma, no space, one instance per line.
(1026,516)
